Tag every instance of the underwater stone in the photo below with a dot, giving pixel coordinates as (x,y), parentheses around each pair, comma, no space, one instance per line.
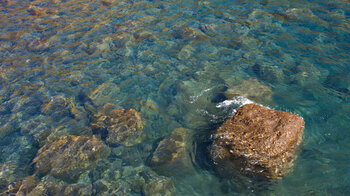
(27,185)
(268,73)
(52,186)
(162,186)
(171,157)
(38,11)
(189,33)
(305,75)
(147,56)
(144,36)
(69,156)
(123,126)
(103,93)
(39,44)
(78,189)
(209,29)
(106,3)
(48,186)
(186,52)
(23,187)
(7,174)
(7,129)
(7,2)
(257,140)
(339,82)
(55,103)
(251,89)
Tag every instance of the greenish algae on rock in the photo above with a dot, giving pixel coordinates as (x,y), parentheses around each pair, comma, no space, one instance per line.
(258,141)
(68,157)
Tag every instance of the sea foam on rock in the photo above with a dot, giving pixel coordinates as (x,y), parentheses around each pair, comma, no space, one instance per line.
(257,141)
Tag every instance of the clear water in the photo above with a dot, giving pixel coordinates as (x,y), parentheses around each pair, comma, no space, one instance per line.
(172,61)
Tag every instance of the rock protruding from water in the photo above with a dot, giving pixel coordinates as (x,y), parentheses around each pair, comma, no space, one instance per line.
(172,156)
(257,140)
(68,157)
(122,126)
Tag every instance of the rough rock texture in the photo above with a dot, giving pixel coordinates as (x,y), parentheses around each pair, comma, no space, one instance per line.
(23,187)
(123,126)
(68,157)
(52,186)
(162,186)
(172,156)
(258,140)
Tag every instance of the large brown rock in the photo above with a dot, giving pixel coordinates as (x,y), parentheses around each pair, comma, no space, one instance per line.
(257,140)
(68,157)
(123,126)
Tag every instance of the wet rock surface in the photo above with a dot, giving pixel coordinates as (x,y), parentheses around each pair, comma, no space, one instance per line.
(257,140)
(121,126)
(172,156)
(68,157)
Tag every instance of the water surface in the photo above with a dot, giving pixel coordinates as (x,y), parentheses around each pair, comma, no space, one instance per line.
(173,61)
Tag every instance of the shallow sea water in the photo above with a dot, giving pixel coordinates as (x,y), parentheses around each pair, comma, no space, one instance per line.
(173,61)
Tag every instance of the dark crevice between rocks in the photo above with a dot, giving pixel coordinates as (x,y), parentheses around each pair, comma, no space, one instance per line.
(154,147)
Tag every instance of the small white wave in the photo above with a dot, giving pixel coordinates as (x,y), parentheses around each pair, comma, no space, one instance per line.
(236,101)
(195,97)
(212,117)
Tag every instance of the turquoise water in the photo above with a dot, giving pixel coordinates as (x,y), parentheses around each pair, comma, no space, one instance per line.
(173,61)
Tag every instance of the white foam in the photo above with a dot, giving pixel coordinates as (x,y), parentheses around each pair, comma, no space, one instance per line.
(195,97)
(237,101)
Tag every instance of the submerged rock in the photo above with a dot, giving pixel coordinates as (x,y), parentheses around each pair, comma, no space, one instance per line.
(55,103)
(38,11)
(30,186)
(39,44)
(339,82)
(268,73)
(23,187)
(7,2)
(7,174)
(186,52)
(190,33)
(162,186)
(172,156)
(251,89)
(68,157)
(257,140)
(122,126)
